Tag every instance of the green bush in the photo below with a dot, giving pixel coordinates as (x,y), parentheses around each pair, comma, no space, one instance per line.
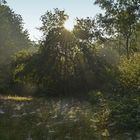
(95,97)
(129,73)
(125,114)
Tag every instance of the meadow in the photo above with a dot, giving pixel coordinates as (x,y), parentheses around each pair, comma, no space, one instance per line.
(26,118)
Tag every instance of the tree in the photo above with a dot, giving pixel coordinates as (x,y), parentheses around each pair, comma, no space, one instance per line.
(66,62)
(2,2)
(12,39)
(121,18)
(12,35)
(53,68)
(98,62)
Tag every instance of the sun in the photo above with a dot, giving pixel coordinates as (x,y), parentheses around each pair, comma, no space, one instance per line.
(69,25)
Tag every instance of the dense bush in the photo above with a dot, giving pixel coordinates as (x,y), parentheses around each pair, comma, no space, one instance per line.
(116,113)
(129,74)
(125,115)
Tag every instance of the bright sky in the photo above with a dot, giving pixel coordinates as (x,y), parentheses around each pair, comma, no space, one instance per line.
(31,11)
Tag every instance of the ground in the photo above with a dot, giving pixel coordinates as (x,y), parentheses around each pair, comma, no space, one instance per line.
(26,118)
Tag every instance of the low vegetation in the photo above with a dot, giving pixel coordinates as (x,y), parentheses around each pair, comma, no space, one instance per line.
(38,118)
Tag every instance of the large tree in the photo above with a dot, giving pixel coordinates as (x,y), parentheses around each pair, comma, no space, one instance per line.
(53,68)
(120,18)
(13,38)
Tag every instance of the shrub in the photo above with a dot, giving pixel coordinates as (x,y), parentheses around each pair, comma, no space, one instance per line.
(129,73)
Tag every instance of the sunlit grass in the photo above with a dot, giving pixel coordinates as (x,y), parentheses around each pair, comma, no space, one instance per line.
(16,98)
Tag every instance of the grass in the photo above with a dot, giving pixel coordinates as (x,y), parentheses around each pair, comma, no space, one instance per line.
(26,118)
(15,98)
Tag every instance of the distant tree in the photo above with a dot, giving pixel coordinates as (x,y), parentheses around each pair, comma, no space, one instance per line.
(86,30)
(96,63)
(12,35)
(120,18)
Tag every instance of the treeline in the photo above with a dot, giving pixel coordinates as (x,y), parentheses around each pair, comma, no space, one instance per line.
(101,53)
(13,38)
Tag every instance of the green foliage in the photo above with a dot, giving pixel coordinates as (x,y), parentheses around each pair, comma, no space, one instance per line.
(125,114)
(95,97)
(116,114)
(53,20)
(85,30)
(22,74)
(120,19)
(129,76)
(67,63)
(12,35)
(63,64)
(12,39)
